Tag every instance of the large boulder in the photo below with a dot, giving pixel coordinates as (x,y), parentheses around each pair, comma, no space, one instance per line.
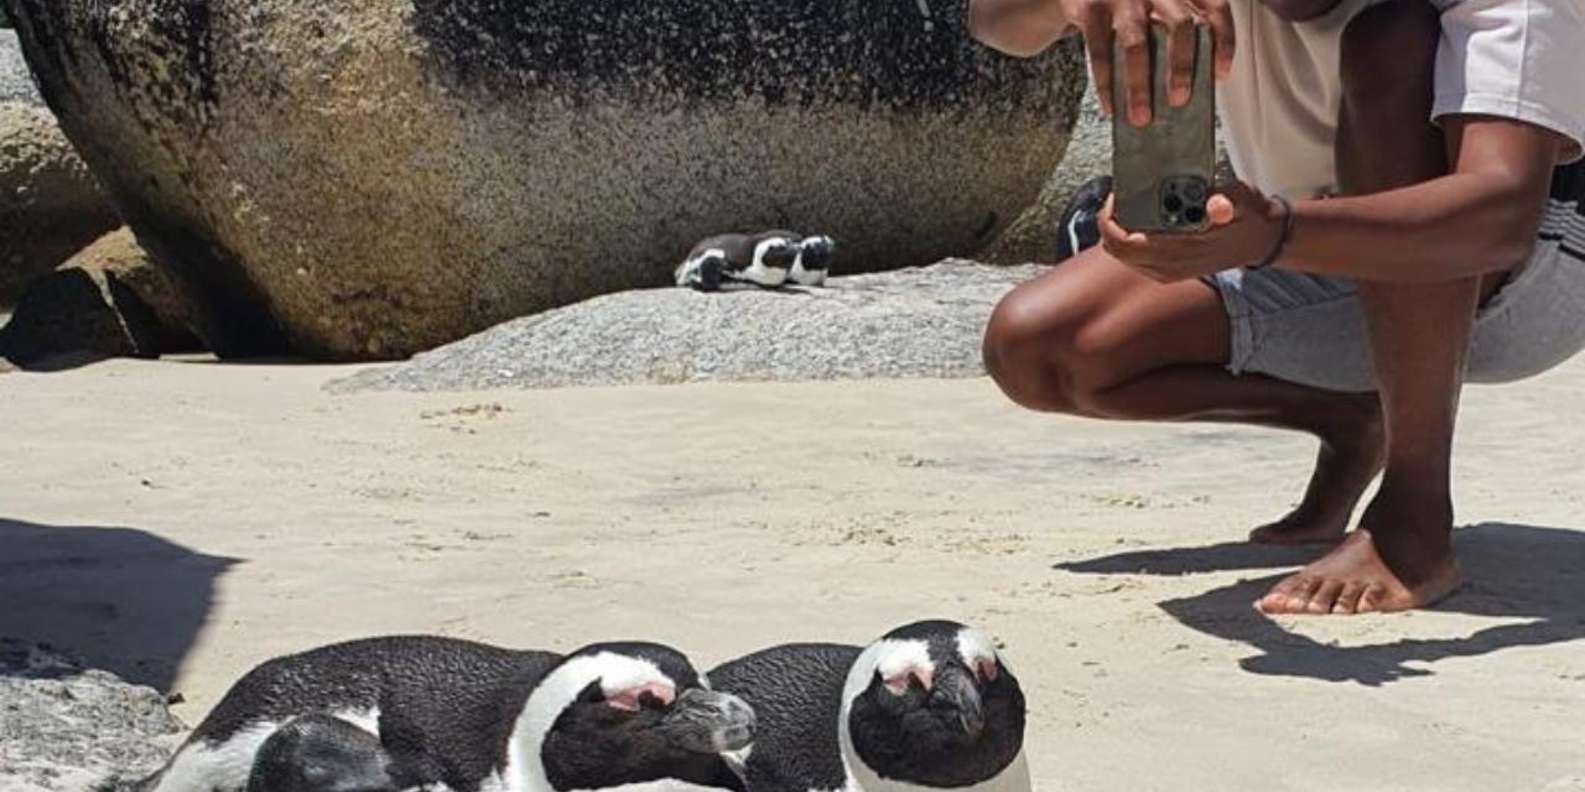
(371,179)
(64,728)
(50,205)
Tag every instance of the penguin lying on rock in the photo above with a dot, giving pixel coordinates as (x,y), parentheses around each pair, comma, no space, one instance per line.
(404,713)
(767,259)
(928,706)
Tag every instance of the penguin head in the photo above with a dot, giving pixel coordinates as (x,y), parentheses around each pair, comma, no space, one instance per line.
(626,713)
(815,252)
(775,252)
(932,704)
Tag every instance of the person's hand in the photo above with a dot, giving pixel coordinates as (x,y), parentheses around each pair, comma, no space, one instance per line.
(1245,227)
(1110,24)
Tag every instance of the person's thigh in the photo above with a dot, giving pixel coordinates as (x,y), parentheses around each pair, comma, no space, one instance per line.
(1100,323)
(1299,328)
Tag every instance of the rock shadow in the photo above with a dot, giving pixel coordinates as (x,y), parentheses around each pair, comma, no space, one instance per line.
(1513,571)
(121,599)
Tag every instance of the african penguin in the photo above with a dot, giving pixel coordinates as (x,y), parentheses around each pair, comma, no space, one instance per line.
(421,712)
(1079,226)
(813,262)
(760,259)
(928,706)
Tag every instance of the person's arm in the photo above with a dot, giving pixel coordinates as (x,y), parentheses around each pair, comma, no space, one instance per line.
(1021,28)
(1024,28)
(1479,219)
(1482,218)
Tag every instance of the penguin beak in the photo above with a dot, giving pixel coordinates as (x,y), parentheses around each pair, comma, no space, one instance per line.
(707,722)
(957,688)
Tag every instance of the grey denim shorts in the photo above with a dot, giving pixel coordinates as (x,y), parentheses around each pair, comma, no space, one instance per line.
(1311,330)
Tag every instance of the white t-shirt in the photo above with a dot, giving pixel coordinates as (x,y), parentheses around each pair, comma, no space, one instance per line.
(1521,59)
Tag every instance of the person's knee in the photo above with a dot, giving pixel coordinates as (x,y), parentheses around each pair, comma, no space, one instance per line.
(1035,354)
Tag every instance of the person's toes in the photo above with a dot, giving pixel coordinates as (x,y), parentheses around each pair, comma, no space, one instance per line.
(1287,595)
(1348,600)
(1373,599)
(1325,597)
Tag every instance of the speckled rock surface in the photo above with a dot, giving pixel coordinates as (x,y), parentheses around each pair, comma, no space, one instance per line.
(1033,236)
(50,205)
(367,180)
(16,84)
(919,322)
(64,728)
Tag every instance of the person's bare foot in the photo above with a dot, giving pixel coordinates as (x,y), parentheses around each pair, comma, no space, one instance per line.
(1401,558)
(1351,455)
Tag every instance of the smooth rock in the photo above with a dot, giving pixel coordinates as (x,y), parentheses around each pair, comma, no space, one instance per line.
(50,205)
(79,315)
(119,254)
(64,728)
(368,180)
(923,322)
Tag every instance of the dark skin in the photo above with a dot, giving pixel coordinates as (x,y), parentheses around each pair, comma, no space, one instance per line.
(1429,223)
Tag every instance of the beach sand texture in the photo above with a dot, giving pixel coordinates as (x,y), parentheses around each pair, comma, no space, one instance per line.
(180,521)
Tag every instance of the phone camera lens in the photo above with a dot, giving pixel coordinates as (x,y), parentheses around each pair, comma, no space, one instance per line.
(1194,214)
(1172,203)
(1194,192)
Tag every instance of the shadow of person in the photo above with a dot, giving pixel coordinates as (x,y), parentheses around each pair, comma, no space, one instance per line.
(1513,572)
(123,600)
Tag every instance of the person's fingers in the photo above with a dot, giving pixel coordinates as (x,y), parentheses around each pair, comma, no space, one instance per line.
(1094,20)
(1219,16)
(1131,33)
(1178,20)
(1220,210)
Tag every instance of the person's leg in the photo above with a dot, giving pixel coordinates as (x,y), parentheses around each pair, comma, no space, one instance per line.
(1097,339)
(1401,557)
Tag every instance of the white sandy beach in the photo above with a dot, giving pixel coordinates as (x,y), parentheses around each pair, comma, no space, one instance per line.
(178,522)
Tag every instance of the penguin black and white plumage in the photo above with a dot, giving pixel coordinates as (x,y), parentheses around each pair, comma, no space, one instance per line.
(761,259)
(928,706)
(1079,226)
(430,713)
(813,262)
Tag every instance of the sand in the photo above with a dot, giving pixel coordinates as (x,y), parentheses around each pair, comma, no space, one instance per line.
(179,522)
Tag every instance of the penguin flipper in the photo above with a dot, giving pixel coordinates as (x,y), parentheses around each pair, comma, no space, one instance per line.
(320,753)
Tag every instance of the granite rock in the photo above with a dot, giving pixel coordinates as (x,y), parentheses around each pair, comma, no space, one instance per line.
(920,322)
(64,728)
(369,180)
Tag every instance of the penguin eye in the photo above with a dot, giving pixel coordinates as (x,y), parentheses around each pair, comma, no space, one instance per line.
(633,699)
(900,682)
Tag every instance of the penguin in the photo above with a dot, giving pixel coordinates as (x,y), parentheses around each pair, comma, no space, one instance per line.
(813,262)
(760,259)
(1079,226)
(928,706)
(432,713)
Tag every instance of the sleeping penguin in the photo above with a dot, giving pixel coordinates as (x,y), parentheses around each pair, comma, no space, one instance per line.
(761,259)
(928,706)
(404,713)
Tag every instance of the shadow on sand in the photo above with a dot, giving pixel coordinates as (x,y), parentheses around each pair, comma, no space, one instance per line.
(1514,572)
(121,599)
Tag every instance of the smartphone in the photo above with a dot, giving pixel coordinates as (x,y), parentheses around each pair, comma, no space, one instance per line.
(1162,173)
